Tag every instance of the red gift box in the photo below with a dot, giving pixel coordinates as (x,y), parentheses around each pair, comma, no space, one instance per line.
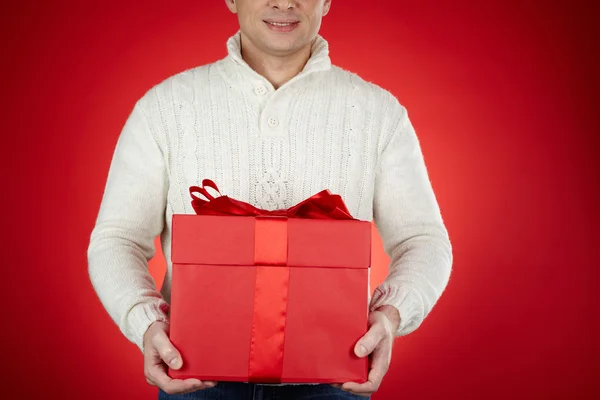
(269,296)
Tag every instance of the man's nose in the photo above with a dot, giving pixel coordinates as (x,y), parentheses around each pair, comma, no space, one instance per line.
(283,4)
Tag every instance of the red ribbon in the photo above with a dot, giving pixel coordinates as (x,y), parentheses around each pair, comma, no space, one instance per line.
(272,273)
(323,205)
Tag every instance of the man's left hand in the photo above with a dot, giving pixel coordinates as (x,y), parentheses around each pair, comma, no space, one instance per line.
(377,342)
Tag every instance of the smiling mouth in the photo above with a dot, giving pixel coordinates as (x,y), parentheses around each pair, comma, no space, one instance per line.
(282,24)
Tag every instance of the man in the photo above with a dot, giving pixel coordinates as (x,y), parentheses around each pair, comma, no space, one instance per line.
(272,123)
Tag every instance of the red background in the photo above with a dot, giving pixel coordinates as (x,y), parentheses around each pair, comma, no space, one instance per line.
(504,97)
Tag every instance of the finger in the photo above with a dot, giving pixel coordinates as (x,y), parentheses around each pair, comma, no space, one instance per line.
(366,344)
(361,389)
(380,363)
(173,386)
(203,386)
(339,386)
(180,387)
(168,352)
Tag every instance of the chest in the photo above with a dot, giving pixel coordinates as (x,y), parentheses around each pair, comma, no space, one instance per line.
(275,149)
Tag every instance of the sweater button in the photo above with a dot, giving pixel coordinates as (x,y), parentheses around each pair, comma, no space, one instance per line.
(261,90)
(273,122)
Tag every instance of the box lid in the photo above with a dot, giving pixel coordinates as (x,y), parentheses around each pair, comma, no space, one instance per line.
(230,240)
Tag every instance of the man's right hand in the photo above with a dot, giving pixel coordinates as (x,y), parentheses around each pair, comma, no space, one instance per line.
(158,352)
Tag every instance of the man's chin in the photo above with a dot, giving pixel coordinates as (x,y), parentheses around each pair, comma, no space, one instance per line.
(280,49)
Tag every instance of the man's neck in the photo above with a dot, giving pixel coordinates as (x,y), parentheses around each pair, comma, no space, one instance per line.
(277,70)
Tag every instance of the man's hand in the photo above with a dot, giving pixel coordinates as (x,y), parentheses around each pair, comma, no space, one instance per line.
(378,341)
(158,352)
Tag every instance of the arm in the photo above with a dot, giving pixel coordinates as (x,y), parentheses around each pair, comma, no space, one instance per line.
(410,224)
(131,215)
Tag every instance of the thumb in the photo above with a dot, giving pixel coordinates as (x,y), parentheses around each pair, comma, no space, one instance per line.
(167,351)
(368,342)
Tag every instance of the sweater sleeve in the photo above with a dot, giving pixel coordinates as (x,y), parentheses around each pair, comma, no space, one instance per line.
(408,219)
(130,217)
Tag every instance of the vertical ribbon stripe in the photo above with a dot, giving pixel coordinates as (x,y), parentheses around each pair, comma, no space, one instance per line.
(270,300)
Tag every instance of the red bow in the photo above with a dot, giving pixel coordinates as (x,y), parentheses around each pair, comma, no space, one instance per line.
(323,205)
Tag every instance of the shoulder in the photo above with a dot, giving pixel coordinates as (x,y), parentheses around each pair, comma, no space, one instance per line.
(379,97)
(169,97)
(178,86)
(378,102)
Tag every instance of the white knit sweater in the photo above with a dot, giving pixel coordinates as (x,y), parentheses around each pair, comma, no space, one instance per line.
(324,129)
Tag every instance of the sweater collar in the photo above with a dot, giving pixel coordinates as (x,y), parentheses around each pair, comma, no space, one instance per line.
(319,59)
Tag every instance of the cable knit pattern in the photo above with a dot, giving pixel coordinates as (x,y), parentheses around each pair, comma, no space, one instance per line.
(326,128)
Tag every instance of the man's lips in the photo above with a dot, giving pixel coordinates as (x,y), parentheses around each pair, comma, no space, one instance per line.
(281,22)
(282,27)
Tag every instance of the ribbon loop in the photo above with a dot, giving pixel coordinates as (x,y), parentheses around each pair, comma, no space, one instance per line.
(205,182)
